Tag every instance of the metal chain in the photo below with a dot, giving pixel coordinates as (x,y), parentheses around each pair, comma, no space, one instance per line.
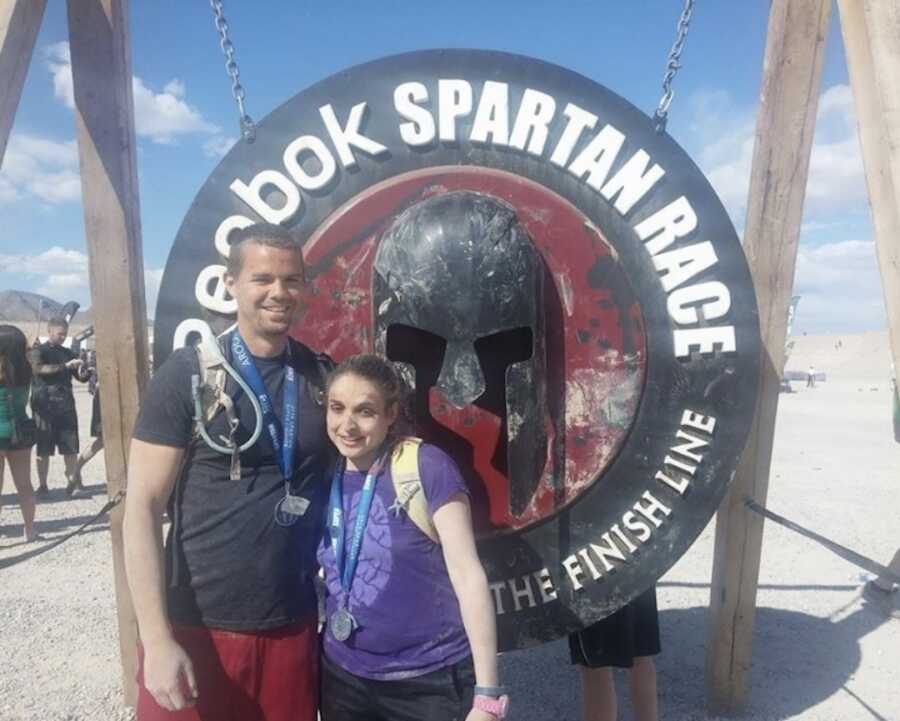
(248,127)
(673,64)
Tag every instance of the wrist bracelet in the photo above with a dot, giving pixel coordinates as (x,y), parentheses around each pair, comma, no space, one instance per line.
(492,691)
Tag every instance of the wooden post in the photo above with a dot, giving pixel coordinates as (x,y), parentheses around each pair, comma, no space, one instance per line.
(20,21)
(871,33)
(784,132)
(104,107)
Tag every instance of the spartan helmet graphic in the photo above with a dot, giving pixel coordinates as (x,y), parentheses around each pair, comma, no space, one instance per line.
(458,297)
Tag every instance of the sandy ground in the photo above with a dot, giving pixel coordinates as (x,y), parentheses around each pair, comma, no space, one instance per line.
(820,651)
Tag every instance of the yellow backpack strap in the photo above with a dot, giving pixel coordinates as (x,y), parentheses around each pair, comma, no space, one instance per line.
(408,486)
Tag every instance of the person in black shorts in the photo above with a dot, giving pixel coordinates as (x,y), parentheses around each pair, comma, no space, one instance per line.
(53,404)
(629,638)
(96,428)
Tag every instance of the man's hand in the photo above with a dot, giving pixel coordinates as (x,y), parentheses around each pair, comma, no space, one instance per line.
(169,675)
(74,363)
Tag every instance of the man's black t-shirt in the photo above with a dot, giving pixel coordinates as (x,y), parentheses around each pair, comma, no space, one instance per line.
(228,563)
(51,394)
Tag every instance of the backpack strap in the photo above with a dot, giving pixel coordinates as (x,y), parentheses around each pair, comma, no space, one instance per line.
(408,486)
(213,398)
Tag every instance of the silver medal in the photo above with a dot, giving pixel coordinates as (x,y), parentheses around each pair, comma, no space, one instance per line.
(342,624)
(290,509)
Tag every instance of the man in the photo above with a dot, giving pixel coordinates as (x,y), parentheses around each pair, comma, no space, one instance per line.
(227,612)
(53,404)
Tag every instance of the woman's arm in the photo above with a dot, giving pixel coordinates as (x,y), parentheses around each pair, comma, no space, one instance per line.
(453,521)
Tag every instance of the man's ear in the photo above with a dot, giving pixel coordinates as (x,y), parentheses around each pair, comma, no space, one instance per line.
(228,279)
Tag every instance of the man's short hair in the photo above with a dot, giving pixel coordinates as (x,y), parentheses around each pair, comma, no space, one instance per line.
(58,322)
(268,234)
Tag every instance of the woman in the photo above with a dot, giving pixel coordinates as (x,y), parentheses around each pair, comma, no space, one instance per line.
(410,627)
(15,379)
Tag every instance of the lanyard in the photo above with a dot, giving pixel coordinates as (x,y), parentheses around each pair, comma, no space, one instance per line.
(346,568)
(283,442)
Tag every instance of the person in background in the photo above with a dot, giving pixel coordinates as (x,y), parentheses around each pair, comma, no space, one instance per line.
(15,378)
(629,638)
(96,426)
(53,404)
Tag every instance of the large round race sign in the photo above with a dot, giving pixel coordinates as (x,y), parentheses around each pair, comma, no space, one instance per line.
(558,283)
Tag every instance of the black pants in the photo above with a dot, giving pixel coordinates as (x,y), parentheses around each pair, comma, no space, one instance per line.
(442,695)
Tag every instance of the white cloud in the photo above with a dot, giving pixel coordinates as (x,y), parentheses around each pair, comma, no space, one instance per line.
(218,145)
(39,168)
(59,61)
(721,136)
(163,116)
(62,274)
(724,135)
(58,272)
(8,191)
(160,116)
(57,187)
(840,288)
(175,87)
(838,281)
(56,260)
(60,285)
(152,280)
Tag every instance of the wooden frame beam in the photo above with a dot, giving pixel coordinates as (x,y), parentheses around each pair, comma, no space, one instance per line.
(104,108)
(871,32)
(788,101)
(20,21)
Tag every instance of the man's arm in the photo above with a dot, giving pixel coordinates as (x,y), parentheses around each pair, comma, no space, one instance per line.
(39,368)
(153,471)
(79,370)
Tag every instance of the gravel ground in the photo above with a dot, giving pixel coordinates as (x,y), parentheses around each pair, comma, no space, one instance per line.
(820,651)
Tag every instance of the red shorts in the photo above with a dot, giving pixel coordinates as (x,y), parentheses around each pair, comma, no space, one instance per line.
(263,676)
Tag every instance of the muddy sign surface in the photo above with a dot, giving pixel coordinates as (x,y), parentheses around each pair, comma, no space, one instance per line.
(558,284)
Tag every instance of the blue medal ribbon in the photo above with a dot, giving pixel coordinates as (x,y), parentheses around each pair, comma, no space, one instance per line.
(283,435)
(346,567)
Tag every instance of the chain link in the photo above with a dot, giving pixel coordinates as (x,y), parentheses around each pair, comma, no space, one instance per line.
(248,127)
(673,64)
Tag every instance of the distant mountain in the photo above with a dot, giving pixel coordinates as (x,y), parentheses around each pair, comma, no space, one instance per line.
(21,306)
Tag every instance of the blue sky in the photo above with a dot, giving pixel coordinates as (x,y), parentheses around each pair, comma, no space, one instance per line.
(186,118)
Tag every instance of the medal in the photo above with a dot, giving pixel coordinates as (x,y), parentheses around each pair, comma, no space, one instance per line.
(289,509)
(282,434)
(342,624)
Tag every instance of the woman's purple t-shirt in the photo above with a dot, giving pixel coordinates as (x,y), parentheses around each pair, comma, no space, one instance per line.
(401,597)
